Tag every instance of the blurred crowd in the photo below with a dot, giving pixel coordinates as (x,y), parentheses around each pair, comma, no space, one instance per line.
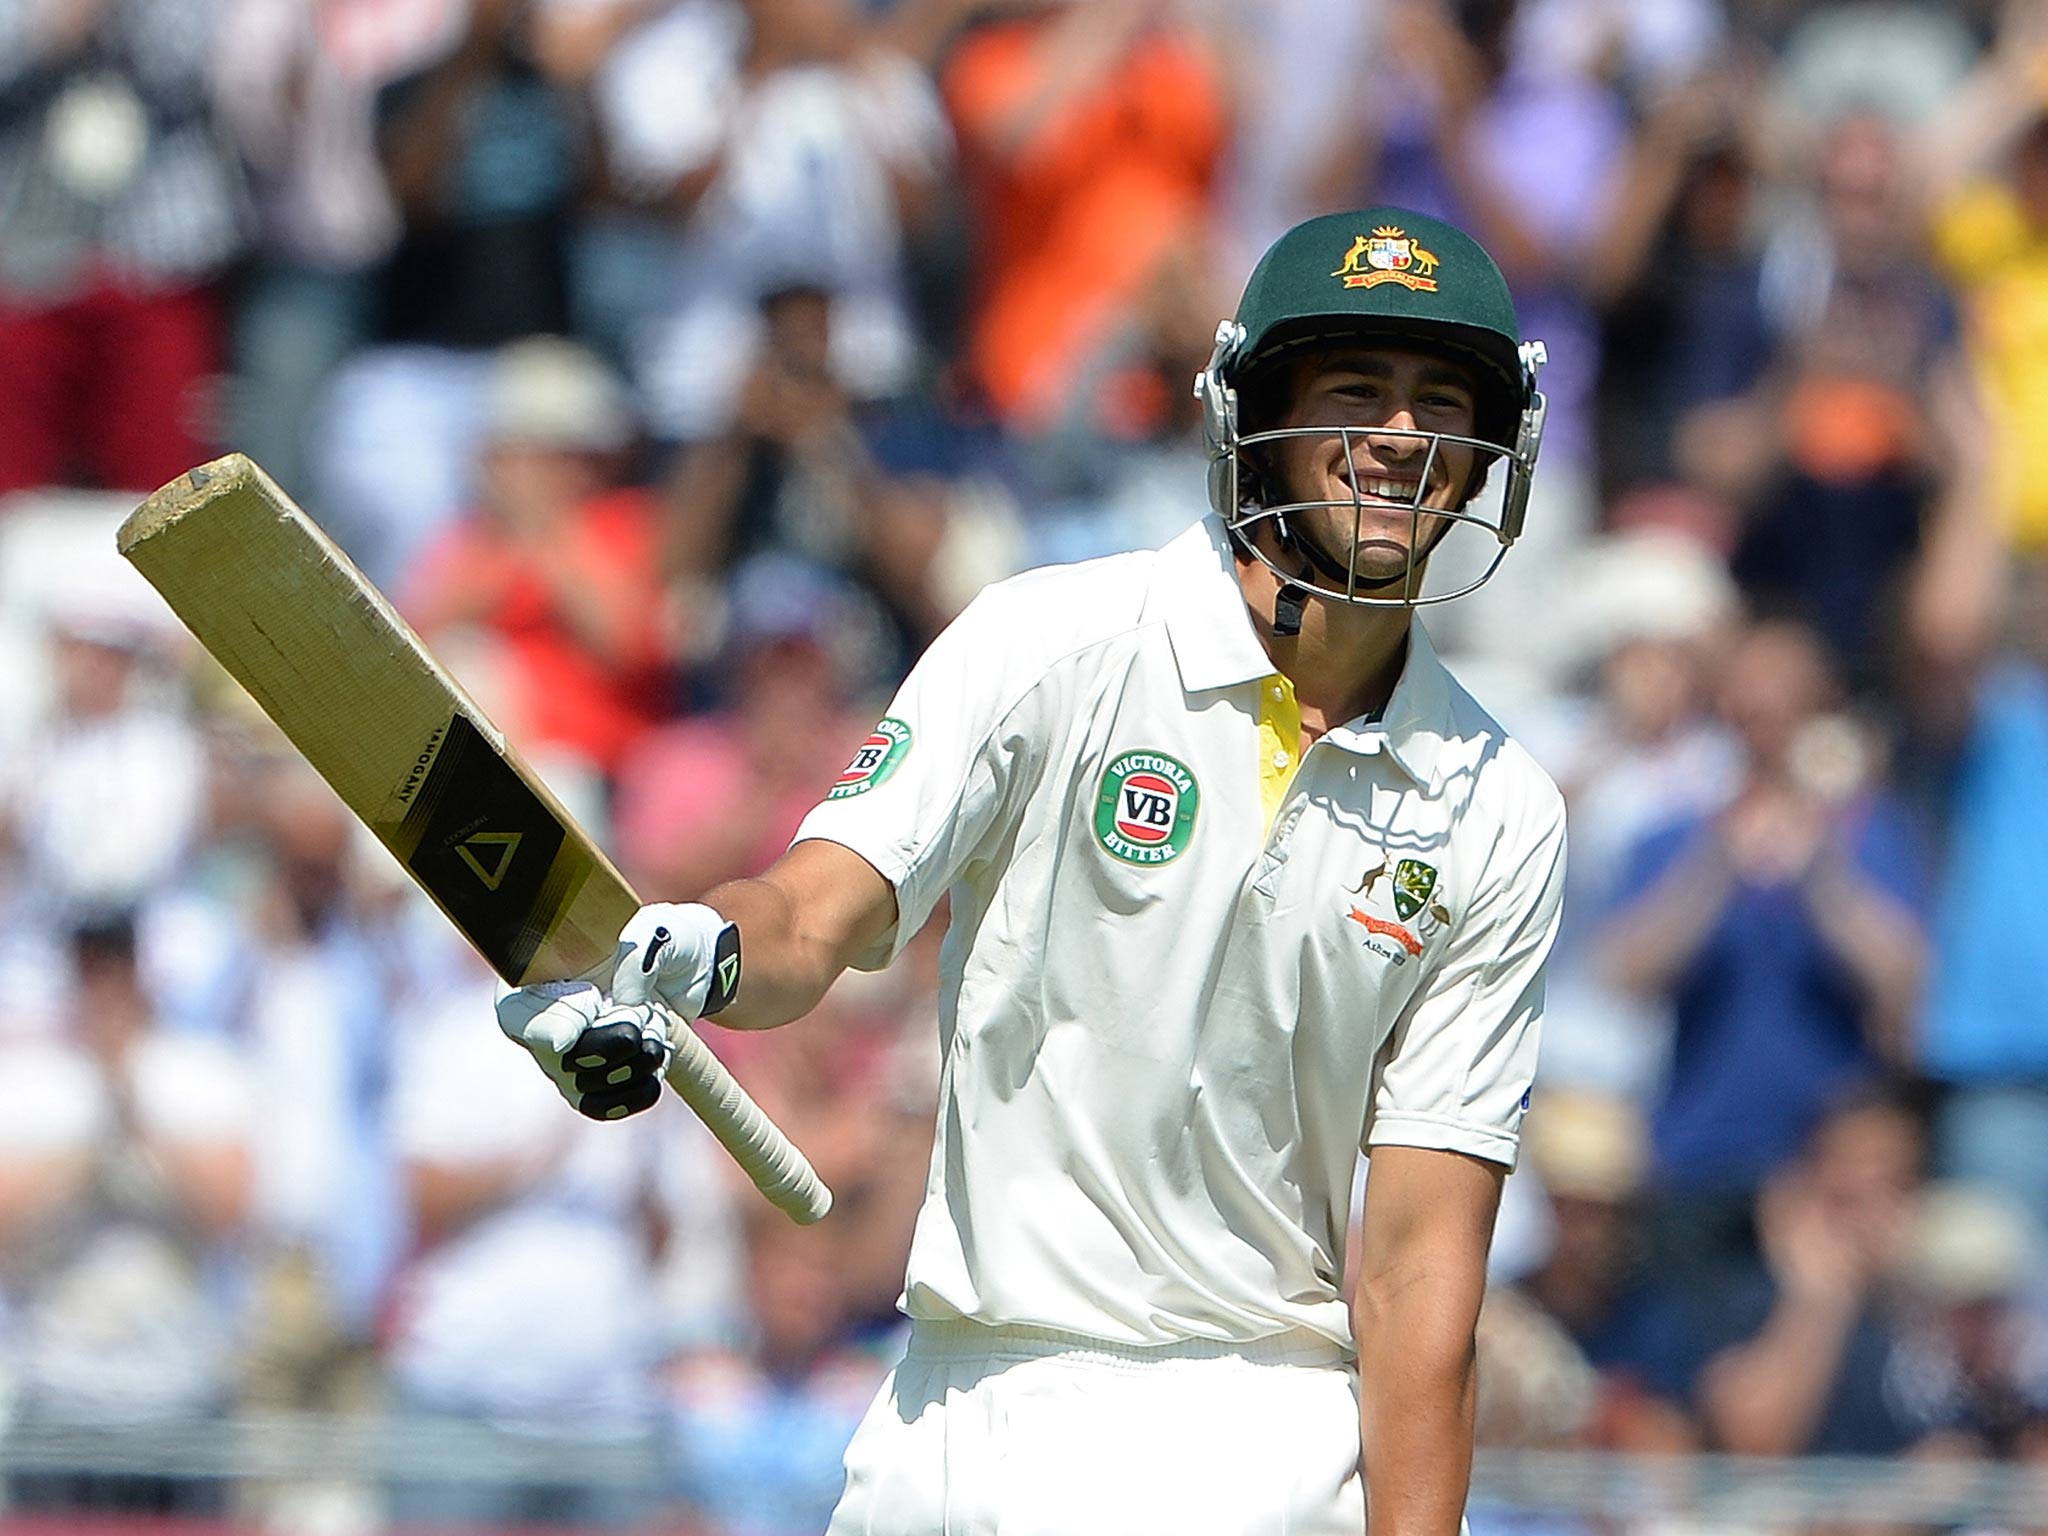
(681,366)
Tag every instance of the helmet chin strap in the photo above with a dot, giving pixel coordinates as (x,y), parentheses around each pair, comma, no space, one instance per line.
(1289,605)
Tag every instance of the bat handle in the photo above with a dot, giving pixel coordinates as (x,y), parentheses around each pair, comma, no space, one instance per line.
(770,1159)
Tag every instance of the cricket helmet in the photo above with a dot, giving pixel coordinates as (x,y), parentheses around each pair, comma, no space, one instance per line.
(1397,278)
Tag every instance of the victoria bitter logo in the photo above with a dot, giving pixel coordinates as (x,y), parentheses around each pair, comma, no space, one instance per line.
(1145,808)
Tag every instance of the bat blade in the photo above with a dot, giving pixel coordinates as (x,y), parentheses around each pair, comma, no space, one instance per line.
(352,687)
(295,622)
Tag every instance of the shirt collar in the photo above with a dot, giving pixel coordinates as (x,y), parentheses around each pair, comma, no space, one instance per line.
(1195,592)
(1417,720)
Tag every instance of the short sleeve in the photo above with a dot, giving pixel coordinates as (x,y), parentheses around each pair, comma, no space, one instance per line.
(928,789)
(1456,1072)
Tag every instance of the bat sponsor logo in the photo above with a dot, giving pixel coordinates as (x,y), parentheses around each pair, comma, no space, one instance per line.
(877,758)
(487,848)
(417,774)
(497,847)
(1145,808)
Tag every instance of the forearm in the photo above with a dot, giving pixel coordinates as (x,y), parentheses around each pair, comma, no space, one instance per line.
(447,1198)
(1418,1388)
(1764,1397)
(1415,1312)
(801,924)
(1989,112)
(1623,247)
(703,499)
(420,141)
(1645,947)
(1881,946)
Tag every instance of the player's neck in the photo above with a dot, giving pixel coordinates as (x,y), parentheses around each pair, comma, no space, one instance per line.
(1346,659)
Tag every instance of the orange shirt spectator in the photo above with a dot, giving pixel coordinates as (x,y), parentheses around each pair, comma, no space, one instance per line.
(1089,137)
(564,689)
(557,574)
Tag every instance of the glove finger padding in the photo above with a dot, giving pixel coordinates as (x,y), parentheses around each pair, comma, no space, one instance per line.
(618,1064)
(607,1061)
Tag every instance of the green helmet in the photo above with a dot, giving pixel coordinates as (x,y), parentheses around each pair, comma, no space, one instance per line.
(1402,278)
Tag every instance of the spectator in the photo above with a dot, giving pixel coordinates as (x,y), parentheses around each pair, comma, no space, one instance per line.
(125,1169)
(1782,929)
(1536,1393)
(102,803)
(1828,454)
(118,210)
(504,1182)
(1977,676)
(1987,165)
(1526,151)
(801,475)
(300,101)
(1115,465)
(483,158)
(718,795)
(752,145)
(759,1430)
(555,578)
(1595,1282)
(1973,1370)
(1653,611)
(1091,137)
(1798,1345)
(1678,273)
(789,472)
(322,977)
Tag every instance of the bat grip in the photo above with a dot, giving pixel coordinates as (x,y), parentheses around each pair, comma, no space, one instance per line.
(770,1159)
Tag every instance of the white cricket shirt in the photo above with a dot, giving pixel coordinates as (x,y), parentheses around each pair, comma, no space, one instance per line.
(1168,1022)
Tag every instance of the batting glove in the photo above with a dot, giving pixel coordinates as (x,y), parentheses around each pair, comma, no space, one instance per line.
(606,1059)
(686,955)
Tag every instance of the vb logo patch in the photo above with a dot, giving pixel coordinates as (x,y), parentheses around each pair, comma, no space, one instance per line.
(1145,808)
(874,762)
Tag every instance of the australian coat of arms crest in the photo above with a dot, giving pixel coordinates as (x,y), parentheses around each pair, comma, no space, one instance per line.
(1388,255)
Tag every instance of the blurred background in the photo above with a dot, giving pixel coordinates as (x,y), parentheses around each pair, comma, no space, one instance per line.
(680,367)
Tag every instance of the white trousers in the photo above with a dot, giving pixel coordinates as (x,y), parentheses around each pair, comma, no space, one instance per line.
(1020,1432)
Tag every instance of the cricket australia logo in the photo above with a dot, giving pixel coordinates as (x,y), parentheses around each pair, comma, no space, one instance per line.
(1411,887)
(874,762)
(1145,808)
(1388,255)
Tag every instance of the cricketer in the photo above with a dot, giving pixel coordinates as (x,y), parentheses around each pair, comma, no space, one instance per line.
(1242,883)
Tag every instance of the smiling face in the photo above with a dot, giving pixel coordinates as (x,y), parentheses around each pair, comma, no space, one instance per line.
(1361,457)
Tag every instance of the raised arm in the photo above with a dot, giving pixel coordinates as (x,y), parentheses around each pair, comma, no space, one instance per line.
(2007,91)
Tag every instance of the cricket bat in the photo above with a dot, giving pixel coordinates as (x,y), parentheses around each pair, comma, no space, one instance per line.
(326,655)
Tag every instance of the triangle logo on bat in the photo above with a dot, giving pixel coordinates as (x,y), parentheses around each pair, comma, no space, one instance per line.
(505,844)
